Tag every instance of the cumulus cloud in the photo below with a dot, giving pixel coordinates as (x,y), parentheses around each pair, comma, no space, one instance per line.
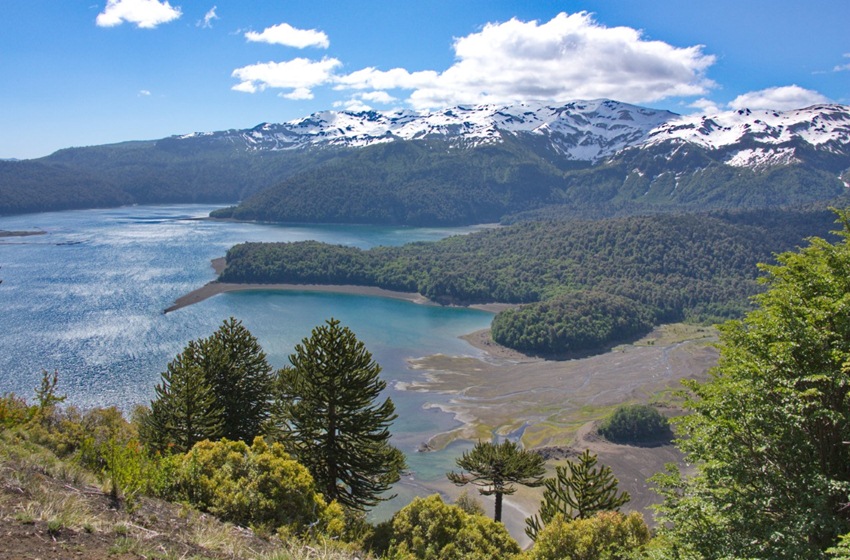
(377,97)
(298,94)
(778,98)
(354,105)
(285,34)
(146,14)
(206,23)
(569,57)
(705,106)
(842,67)
(299,75)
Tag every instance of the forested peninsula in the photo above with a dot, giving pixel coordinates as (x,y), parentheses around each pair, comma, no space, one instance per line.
(585,285)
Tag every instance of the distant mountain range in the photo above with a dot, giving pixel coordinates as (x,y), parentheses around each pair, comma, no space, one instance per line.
(461,165)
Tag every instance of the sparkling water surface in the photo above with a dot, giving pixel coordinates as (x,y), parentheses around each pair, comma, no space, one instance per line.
(87,298)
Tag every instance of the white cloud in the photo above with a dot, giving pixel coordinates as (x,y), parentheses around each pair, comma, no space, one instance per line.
(206,23)
(299,74)
(378,97)
(146,14)
(778,98)
(298,94)
(705,106)
(842,67)
(144,93)
(285,34)
(354,105)
(568,57)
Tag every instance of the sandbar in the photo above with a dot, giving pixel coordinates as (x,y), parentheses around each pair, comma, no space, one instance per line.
(215,287)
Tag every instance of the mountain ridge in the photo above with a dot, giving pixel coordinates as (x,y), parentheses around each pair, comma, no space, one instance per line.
(460,165)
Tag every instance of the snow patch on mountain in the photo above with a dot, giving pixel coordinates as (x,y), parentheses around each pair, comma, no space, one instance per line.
(579,130)
(817,125)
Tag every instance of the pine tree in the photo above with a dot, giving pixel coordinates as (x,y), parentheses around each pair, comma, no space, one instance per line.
(579,490)
(497,467)
(241,379)
(328,414)
(185,410)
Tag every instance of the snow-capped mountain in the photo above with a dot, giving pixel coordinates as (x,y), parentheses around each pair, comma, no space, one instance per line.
(580,130)
(758,138)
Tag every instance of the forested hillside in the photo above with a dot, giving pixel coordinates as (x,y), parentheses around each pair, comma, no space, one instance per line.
(695,267)
(28,186)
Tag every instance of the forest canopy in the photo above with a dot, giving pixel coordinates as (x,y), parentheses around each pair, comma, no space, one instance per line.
(646,269)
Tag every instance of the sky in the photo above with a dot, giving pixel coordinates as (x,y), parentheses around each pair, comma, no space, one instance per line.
(80,73)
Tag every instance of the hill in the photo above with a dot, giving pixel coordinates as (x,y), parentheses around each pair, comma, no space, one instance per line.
(460,165)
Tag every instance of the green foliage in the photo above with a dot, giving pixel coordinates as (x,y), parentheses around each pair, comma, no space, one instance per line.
(45,394)
(496,468)
(635,423)
(469,504)
(579,490)
(185,410)
(259,486)
(651,269)
(14,411)
(240,377)
(429,529)
(574,322)
(608,535)
(217,387)
(842,550)
(328,415)
(768,431)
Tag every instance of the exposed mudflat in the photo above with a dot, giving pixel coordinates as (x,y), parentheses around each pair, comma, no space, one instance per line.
(544,401)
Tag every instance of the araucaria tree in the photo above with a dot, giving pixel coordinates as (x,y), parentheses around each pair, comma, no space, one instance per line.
(217,387)
(241,379)
(330,417)
(497,468)
(579,490)
(184,411)
(769,431)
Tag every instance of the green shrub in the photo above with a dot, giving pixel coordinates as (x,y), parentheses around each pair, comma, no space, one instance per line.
(608,535)
(429,529)
(635,423)
(259,486)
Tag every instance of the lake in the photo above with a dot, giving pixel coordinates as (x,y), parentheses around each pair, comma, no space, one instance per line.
(87,298)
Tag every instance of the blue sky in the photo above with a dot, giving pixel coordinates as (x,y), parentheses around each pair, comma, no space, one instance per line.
(77,73)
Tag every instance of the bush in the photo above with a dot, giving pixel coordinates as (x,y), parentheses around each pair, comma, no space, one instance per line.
(609,535)
(636,423)
(429,529)
(259,486)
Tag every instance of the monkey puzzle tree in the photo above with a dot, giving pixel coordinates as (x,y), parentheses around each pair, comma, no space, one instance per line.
(329,416)
(579,490)
(217,387)
(185,410)
(497,468)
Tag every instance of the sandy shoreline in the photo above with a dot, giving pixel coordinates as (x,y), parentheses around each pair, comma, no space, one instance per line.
(215,287)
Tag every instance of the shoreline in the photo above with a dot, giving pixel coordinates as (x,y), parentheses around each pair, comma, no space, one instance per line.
(215,287)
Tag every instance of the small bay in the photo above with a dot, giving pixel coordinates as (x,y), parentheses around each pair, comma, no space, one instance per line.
(87,298)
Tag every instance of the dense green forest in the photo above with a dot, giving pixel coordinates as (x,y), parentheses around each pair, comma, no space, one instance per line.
(646,269)
(417,182)
(27,186)
(427,183)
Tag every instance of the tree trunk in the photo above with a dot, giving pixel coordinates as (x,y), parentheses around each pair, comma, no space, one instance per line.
(498,514)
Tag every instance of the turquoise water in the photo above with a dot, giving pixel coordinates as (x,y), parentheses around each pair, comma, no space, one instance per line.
(86,299)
